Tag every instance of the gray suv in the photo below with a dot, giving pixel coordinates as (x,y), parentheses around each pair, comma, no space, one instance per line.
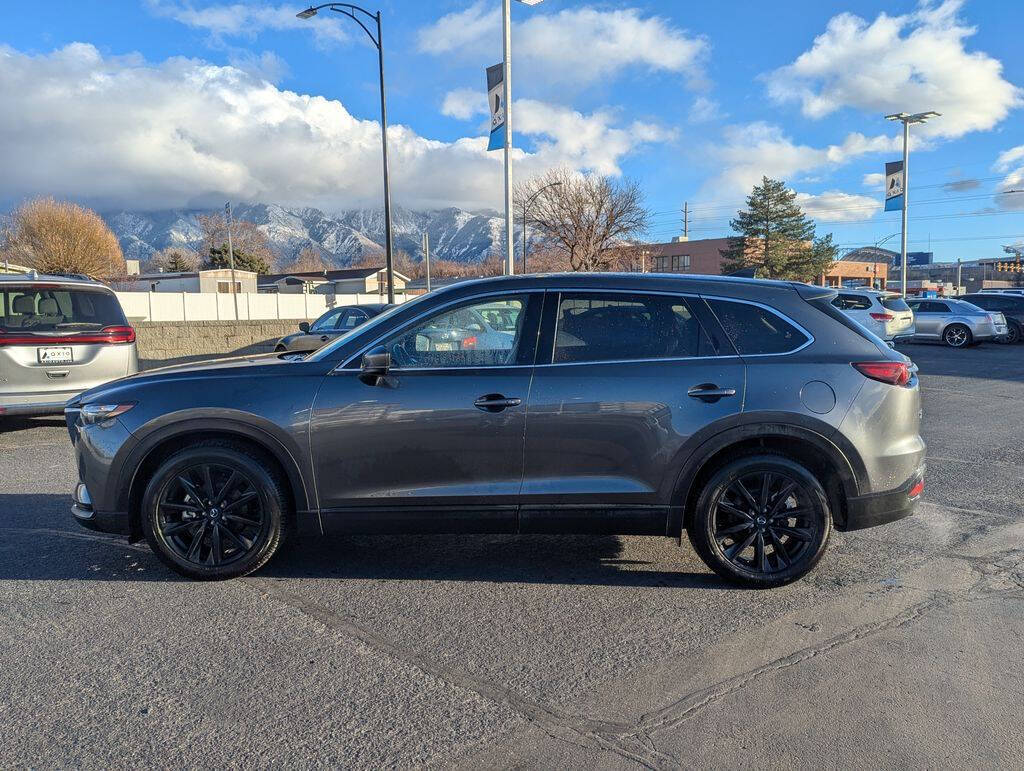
(59,336)
(753,415)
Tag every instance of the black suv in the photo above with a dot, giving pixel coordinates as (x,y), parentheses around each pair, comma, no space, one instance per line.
(1011,306)
(752,414)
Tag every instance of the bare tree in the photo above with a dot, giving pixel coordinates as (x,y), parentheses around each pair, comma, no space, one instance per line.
(175,259)
(61,237)
(309,260)
(246,238)
(585,218)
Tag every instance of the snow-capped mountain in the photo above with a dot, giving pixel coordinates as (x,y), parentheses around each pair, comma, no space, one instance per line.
(455,234)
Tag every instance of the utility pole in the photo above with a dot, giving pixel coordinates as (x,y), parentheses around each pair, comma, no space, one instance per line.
(920,117)
(959,273)
(231,256)
(426,256)
(686,220)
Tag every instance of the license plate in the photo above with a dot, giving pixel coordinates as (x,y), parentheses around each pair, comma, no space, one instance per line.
(444,346)
(55,355)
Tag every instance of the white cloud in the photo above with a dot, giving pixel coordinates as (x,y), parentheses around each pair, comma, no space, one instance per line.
(875,180)
(464,103)
(247,19)
(121,132)
(837,206)
(1011,163)
(750,151)
(909,63)
(704,109)
(578,45)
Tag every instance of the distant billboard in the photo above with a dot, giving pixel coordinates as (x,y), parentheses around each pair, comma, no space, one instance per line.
(915,258)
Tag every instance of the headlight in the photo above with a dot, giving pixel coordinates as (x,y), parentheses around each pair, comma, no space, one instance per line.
(96,413)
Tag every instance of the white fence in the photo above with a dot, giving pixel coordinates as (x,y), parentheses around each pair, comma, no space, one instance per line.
(210,306)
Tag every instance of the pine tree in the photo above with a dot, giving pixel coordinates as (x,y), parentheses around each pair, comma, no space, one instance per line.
(776,238)
(219,258)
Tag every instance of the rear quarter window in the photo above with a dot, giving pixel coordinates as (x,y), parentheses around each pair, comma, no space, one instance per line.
(852,302)
(756,330)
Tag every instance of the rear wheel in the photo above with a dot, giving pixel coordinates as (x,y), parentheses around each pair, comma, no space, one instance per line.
(280,349)
(761,521)
(214,511)
(957,336)
(1012,335)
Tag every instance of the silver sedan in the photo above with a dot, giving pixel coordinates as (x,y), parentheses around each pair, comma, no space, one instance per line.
(956,323)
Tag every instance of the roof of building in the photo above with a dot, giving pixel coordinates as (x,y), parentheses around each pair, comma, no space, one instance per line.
(870,254)
(342,274)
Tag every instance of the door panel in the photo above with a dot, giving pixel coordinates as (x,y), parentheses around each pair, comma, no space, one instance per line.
(435,445)
(603,437)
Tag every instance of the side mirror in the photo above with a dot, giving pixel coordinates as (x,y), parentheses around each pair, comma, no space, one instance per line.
(375,365)
(304,326)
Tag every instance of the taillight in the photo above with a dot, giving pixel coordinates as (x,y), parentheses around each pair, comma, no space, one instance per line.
(107,335)
(882,316)
(917,489)
(119,334)
(892,372)
(469,343)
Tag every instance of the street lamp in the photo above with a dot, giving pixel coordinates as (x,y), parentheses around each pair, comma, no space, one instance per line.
(510,265)
(350,10)
(906,120)
(526,204)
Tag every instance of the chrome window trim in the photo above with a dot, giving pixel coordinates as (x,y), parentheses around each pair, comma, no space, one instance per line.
(773,311)
(506,293)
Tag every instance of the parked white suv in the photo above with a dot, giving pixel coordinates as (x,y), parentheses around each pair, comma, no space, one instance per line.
(884,313)
(59,336)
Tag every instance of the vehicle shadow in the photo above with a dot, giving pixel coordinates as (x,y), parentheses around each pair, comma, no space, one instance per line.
(39,542)
(14,424)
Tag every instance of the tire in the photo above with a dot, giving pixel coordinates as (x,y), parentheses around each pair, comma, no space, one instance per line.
(280,349)
(230,518)
(957,336)
(777,548)
(1012,336)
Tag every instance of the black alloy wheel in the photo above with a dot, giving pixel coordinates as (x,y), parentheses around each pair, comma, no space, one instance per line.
(1012,336)
(215,511)
(761,521)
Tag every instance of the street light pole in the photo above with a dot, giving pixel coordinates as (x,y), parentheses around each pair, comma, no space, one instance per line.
(906,119)
(350,10)
(506,14)
(231,256)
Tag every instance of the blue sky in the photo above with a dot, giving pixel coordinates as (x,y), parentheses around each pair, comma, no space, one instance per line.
(179,103)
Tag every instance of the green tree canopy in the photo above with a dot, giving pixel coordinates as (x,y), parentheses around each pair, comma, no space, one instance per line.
(219,258)
(777,238)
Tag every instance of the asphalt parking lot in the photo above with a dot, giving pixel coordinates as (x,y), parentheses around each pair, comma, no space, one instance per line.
(903,649)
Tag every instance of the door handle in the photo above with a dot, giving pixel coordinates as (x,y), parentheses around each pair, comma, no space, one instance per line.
(709,392)
(495,403)
(324,338)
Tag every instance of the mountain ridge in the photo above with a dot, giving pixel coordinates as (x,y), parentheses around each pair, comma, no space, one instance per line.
(341,238)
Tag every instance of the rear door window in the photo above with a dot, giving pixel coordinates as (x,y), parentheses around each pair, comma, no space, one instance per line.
(755,330)
(597,326)
(44,309)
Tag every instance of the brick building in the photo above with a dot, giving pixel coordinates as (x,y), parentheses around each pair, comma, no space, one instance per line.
(705,256)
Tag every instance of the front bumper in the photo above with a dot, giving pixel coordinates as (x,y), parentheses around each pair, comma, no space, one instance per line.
(881,508)
(116,522)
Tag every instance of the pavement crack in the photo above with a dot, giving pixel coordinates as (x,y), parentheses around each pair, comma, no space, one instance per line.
(601,734)
(686,707)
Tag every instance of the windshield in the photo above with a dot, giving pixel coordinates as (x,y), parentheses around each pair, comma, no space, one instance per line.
(52,309)
(327,350)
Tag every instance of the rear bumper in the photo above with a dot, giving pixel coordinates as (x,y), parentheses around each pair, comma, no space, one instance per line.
(880,508)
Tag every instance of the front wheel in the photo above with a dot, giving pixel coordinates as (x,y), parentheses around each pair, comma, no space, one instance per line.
(761,521)
(215,510)
(957,336)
